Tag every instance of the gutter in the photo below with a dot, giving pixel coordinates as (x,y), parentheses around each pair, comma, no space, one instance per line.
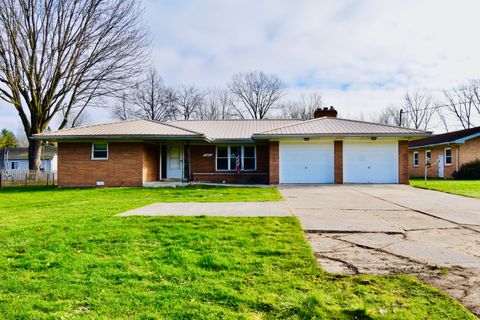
(116,137)
(339,136)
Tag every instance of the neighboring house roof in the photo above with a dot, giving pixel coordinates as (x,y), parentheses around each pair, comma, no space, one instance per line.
(22,153)
(455,137)
(328,126)
(230,130)
(234,129)
(121,129)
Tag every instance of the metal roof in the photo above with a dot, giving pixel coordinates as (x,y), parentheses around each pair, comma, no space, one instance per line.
(328,126)
(121,129)
(235,129)
(230,130)
(22,153)
(445,138)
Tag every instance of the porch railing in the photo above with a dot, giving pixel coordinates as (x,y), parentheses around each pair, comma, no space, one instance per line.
(25,178)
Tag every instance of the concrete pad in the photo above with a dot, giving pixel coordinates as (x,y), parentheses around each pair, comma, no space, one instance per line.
(411,220)
(434,254)
(226,209)
(344,221)
(458,209)
(372,240)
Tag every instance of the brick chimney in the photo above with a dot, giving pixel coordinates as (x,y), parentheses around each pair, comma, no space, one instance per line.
(325,112)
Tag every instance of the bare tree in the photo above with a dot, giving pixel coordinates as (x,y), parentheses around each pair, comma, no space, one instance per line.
(189,101)
(217,106)
(443,117)
(122,107)
(461,103)
(475,91)
(256,93)
(419,109)
(152,100)
(390,115)
(303,108)
(57,56)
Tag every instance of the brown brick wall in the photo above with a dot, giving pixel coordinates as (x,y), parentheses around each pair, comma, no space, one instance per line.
(403,162)
(469,151)
(432,172)
(203,168)
(151,162)
(338,161)
(274,168)
(77,169)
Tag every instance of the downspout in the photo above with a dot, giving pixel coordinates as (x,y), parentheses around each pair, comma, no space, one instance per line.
(456,158)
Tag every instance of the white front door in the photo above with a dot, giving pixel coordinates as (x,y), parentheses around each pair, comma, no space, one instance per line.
(370,162)
(440,166)
(306,162)
(174,162)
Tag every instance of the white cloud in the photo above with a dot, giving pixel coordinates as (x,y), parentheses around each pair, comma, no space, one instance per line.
(362,55)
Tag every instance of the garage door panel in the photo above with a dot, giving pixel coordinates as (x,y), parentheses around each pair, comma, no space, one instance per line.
(306,162)
(370,162)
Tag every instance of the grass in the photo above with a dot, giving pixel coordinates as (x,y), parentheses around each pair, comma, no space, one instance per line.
(468,188)
(64,255)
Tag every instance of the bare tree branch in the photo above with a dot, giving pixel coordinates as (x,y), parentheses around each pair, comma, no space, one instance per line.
(419,109)
(59,56)
(218,105)
(189,101)
(256,93)
(461,104)
(303,108)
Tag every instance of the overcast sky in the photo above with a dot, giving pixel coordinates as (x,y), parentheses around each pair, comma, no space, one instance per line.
(360,55)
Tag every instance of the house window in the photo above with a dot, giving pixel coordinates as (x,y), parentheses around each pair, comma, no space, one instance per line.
(14,165)
(226,158)
(99,151)
(428,156)
(448,156)
(415,159)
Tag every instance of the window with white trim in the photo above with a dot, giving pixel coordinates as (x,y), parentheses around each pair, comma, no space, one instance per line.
(226,158)
(448,156)
(415,159)
(428,156)
(14,165)
(99,151)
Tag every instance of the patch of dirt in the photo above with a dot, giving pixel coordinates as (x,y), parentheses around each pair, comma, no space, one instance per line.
(347,254)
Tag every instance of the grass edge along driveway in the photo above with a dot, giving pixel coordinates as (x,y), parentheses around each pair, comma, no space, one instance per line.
(467,188)
(64,254)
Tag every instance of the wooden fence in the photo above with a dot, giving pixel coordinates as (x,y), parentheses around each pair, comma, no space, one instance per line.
(25,178)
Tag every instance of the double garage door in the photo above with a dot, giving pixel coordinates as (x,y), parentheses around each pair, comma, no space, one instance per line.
(363,162)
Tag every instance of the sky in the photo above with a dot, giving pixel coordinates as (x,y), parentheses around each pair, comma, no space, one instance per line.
(360,55)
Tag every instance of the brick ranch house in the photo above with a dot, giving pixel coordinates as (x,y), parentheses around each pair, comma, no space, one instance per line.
(322,150)
(445,153)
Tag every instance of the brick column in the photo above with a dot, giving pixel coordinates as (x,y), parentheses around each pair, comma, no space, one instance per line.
(338,162)
(273,163)
(403,162)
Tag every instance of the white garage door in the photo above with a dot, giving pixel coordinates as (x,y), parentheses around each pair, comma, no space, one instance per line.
(306,162)
(370,162)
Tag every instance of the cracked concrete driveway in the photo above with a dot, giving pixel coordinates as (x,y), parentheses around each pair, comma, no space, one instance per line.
(382,229)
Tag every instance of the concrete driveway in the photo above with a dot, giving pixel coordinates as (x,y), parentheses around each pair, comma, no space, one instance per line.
(382,229)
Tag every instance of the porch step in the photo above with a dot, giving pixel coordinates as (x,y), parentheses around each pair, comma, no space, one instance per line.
(165,183)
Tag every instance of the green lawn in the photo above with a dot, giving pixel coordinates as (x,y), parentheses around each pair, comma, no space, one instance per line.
(469,188)
(64,255)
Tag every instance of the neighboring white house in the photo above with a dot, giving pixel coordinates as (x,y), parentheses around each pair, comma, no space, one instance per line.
(17,159)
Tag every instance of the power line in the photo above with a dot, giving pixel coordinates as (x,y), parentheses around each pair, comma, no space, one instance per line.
(438,107)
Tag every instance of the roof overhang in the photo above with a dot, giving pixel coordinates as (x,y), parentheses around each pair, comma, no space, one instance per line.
(448,143)
(341,136)
(115,137)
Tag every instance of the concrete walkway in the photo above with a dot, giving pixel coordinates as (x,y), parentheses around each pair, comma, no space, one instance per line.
(226,209)
(382,229)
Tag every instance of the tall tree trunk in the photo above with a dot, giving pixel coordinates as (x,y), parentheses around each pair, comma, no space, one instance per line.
(34,154)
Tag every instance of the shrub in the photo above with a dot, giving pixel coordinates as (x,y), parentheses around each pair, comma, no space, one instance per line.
(469,171)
